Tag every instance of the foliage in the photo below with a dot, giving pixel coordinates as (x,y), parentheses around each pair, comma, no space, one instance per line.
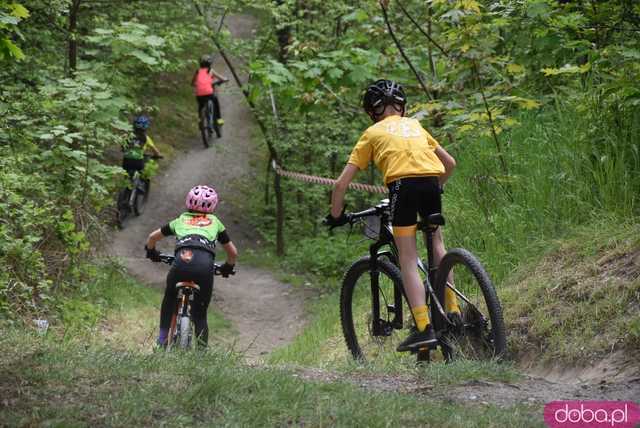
(536,99)
(60,130)
(11,14)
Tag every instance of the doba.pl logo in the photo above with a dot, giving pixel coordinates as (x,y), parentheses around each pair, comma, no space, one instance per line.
(592,414)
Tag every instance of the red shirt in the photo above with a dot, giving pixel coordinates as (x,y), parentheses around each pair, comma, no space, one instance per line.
(203,83)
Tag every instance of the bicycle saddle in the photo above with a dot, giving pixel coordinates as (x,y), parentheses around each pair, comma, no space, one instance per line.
(432,220)
(188,284)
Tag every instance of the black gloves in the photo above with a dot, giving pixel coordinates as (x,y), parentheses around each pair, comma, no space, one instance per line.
(332,222)
(226,269)
(152,254)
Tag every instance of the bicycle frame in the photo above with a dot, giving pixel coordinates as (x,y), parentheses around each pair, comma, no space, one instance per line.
(186,293)
(385,238)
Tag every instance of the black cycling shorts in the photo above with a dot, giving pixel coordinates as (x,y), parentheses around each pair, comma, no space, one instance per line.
(412,196)
(132,165)
(202,100)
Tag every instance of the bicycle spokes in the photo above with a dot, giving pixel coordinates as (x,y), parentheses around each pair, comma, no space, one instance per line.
(370,317)
(481,333)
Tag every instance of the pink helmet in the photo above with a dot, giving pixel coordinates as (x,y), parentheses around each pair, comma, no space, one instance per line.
(202,199)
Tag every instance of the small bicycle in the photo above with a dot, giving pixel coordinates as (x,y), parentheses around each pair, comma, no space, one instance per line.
(182,326)
(371,299)
(208,120)
(132,199)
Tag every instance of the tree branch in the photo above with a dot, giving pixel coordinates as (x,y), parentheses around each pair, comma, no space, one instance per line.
(404,56)
(419,27)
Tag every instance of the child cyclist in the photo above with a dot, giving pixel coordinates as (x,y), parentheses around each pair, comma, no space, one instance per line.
(415,167)
(135,147)
(202,83)
(196,232)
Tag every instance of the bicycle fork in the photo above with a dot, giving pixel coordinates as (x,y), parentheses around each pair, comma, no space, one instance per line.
(379,326)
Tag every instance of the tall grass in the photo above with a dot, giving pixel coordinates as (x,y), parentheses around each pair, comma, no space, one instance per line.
(565,170)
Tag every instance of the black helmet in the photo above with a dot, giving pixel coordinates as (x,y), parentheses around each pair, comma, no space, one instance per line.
(381,94)
(205,61)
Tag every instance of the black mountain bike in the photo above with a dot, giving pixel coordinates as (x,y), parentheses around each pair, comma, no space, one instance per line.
(208,121)
(132,199)
(182,327)
(371,300)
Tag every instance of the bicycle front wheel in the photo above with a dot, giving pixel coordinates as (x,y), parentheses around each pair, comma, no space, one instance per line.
(139,201)
(482,335)
(370,338)
(185,332)
(123,207)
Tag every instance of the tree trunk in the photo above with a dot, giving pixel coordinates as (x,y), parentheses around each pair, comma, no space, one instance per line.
(284,38)
(73,40)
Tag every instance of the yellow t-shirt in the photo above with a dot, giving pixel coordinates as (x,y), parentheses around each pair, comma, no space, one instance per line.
(149,144)
(400,147)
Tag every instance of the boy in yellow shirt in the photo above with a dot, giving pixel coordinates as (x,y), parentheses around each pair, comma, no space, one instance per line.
(415,167)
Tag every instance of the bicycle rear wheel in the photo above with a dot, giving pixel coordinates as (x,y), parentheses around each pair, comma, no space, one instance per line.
(372,340)
(482,335)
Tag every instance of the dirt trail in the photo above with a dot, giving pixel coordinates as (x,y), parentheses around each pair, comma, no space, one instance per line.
(532,390)
(265,312)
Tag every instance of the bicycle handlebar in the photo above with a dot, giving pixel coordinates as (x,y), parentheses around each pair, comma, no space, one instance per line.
(366,213)
(168,259)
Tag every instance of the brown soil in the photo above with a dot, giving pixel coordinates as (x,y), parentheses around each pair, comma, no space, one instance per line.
(533,390)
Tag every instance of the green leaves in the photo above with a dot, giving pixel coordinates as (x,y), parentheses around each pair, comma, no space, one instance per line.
(567,69)
(132,42)
(145,58)
(11,14)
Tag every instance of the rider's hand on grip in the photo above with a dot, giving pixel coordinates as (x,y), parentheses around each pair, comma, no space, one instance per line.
(152,254)
(227,269)
(332,222)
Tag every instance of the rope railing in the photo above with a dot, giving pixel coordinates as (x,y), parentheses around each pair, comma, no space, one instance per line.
(325,181)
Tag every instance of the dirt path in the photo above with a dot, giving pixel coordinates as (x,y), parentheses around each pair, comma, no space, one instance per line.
(532,390)
(265,312)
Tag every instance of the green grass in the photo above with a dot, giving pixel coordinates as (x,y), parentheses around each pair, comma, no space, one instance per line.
(46,382)
(580,301)
(563,173)
(322,345)
(109,307)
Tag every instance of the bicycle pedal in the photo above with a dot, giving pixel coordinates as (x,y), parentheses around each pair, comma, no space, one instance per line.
(391,308)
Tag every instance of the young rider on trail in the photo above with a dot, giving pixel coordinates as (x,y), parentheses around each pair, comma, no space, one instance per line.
(415,167)
(202,83)
(135,146)
(196,231)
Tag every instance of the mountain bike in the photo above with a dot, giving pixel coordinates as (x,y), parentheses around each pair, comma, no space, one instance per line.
(182,326)
(209,120)
(372,312)
(132,199)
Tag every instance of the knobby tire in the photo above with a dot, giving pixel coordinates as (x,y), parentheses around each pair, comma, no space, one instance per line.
(355,339)
(487,349)
(185,332)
